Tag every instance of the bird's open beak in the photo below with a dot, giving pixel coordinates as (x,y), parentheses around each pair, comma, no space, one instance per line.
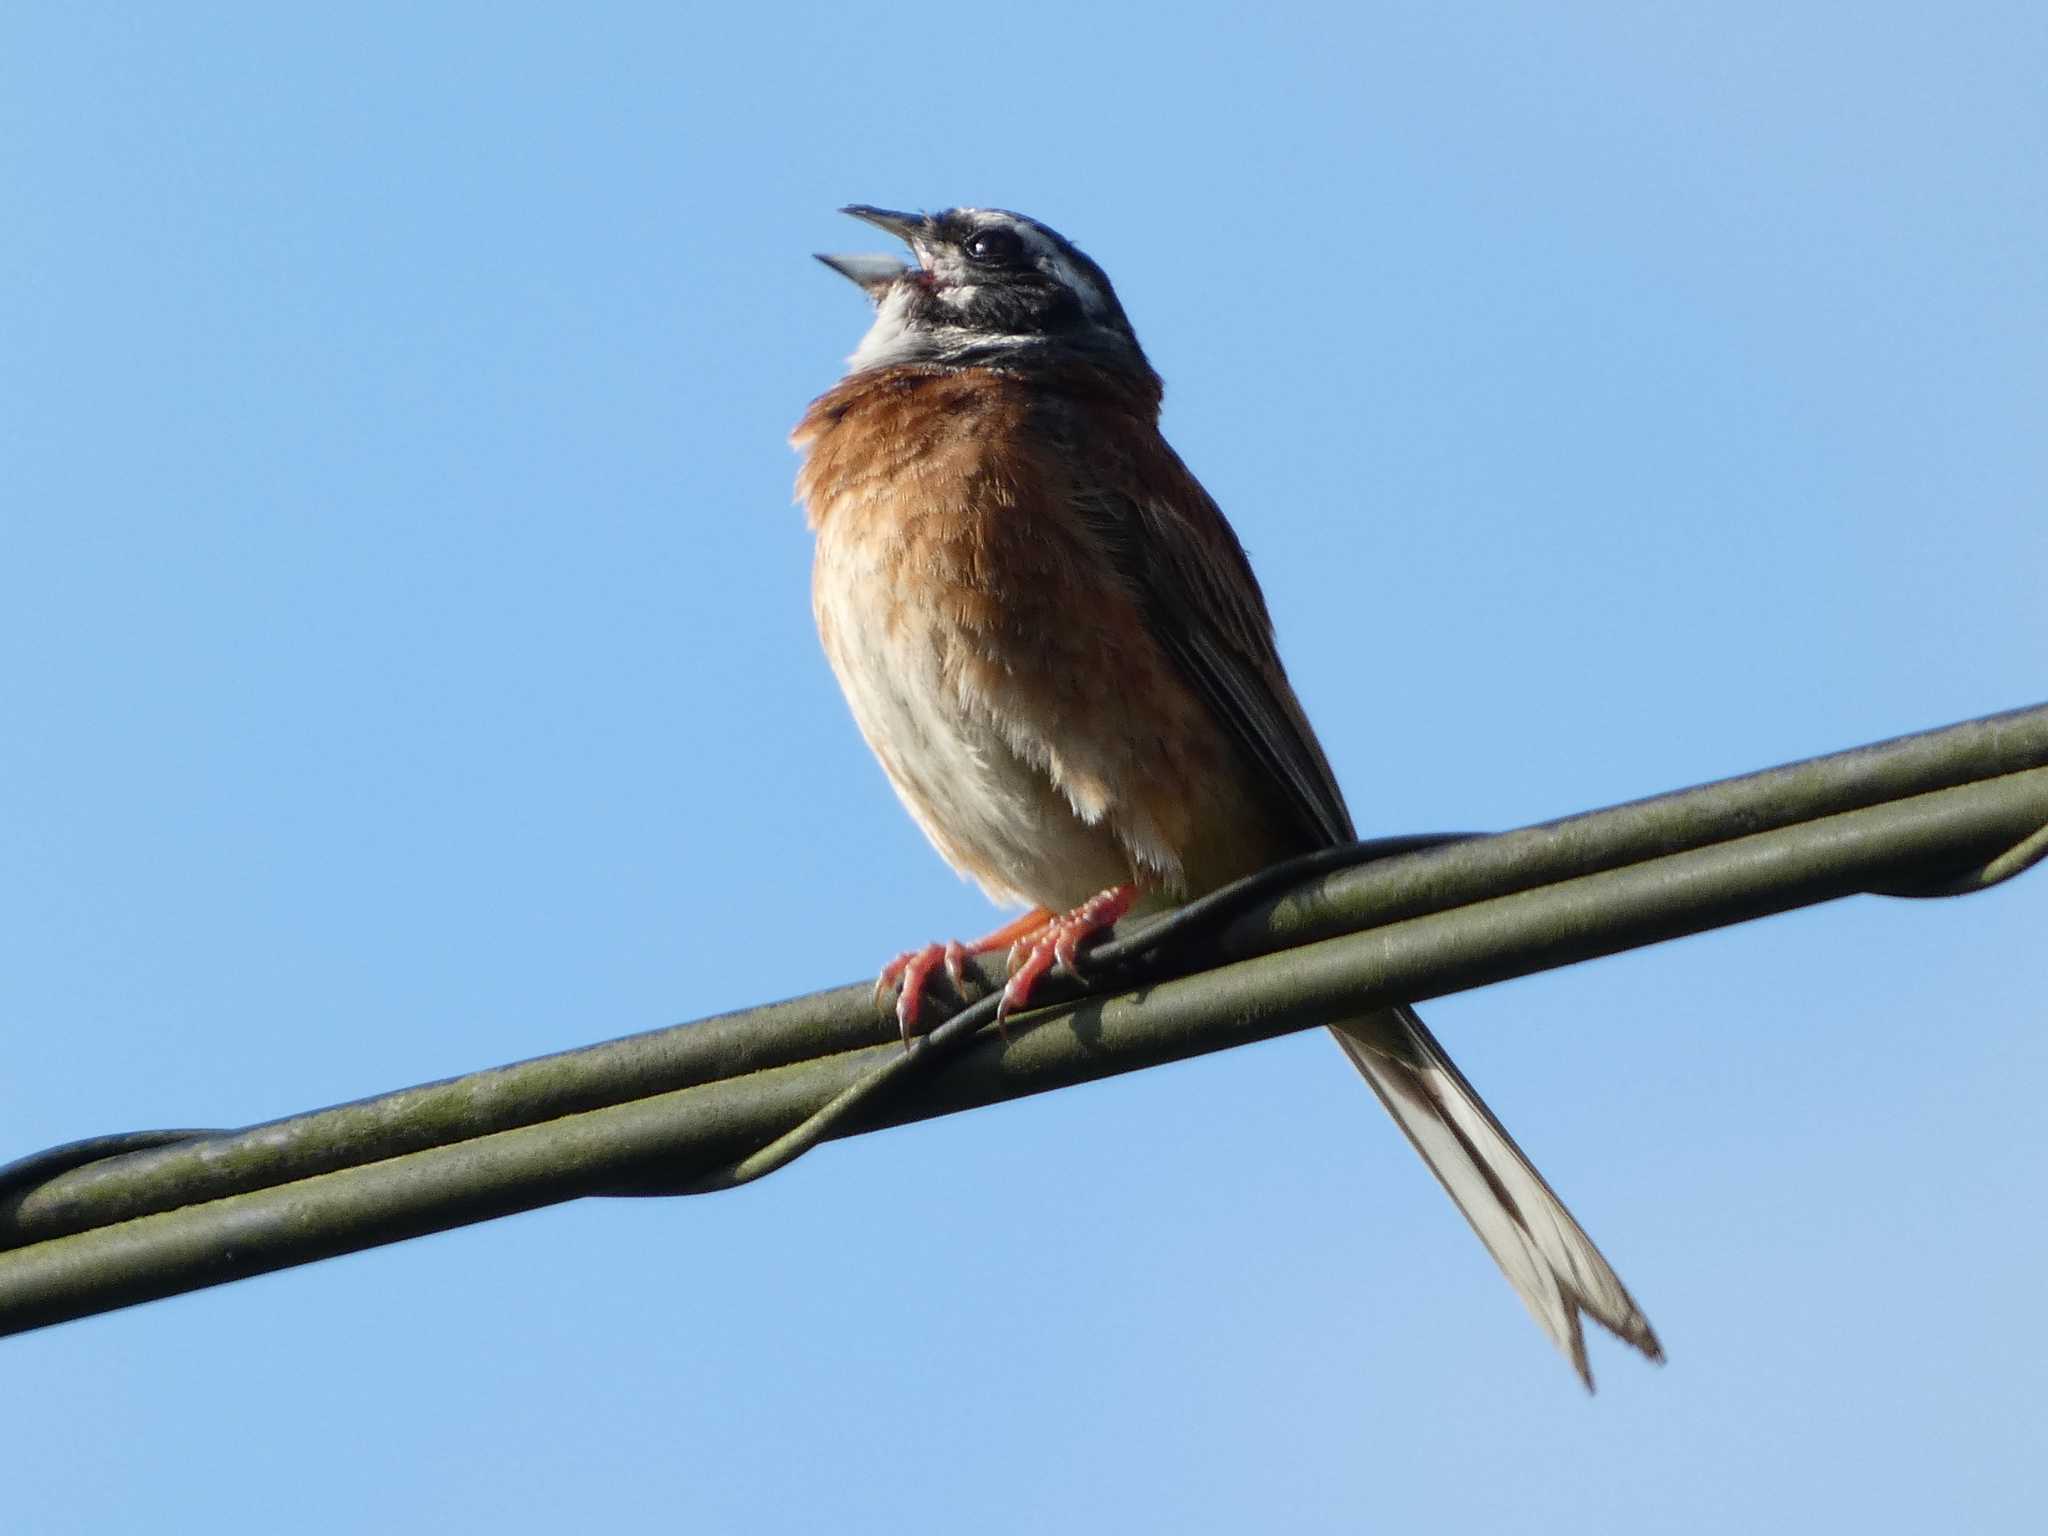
(907,227)
(876,273)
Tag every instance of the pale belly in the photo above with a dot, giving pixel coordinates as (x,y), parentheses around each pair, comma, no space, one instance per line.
(982,787)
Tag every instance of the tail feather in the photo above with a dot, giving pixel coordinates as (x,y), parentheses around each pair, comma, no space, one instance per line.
(1545,1254)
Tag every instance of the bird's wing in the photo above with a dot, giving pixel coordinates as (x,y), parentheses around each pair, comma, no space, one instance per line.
(1170,543)
(1172,546)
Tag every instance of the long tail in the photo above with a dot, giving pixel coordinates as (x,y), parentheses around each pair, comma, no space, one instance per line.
(1541,1249)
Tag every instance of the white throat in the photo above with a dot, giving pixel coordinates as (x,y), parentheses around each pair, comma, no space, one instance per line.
(893,338)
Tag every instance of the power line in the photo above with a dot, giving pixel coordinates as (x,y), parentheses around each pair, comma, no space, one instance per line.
(103,1224)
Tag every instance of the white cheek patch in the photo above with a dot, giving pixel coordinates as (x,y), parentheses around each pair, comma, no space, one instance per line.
(895,338)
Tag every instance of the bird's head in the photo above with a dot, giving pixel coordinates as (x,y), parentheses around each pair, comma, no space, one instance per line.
(988,288)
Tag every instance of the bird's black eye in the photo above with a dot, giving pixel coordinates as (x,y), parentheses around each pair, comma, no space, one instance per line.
(995,247)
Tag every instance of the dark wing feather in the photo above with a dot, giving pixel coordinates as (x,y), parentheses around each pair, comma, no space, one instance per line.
(1169,541)
(1200,599)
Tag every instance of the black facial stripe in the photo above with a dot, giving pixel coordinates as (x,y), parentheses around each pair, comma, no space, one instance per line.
(1013,312)
(1039,308)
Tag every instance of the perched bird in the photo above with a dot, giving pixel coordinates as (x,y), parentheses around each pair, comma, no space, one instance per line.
(1054,643)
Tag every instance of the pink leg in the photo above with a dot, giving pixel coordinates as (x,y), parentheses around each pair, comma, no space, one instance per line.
(1056,943)
(910,971)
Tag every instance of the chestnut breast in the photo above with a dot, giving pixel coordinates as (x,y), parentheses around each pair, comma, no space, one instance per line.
(997,664)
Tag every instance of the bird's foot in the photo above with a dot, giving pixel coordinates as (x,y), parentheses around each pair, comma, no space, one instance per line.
(1057,942)
(910,972)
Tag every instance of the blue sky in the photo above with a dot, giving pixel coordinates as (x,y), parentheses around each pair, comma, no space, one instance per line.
(405,644)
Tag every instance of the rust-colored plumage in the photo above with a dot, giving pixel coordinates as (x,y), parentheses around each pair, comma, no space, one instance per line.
(1054,644)
(950,550)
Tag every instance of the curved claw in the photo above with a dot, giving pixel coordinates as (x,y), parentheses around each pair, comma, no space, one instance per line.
(887,979)
(910,996)
(911,971)
(956,965)
(1058,943)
